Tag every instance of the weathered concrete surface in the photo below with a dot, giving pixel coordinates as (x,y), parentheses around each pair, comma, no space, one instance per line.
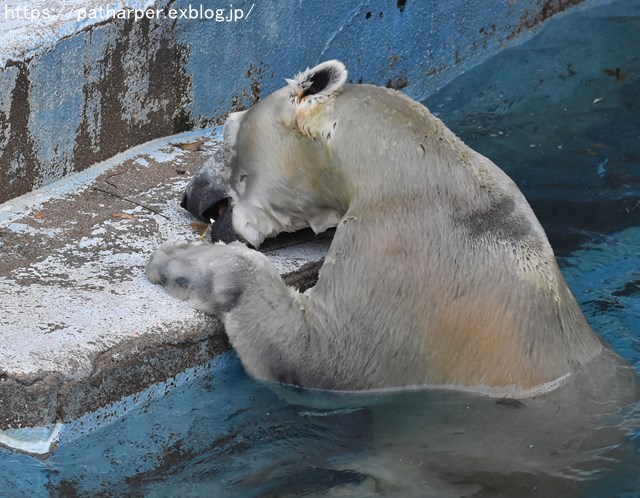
(80,326)
(31,28)
(74,91)
(83,84)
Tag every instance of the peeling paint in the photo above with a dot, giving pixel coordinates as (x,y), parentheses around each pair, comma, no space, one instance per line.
(121,96)
(7,85)
(31,28)
(534,17)
(56,110)
(134,81)
(15,168)
(138,100)
(182,116)
(398,83)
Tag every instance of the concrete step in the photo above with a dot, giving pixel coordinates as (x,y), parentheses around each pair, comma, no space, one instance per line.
(80,326)
(76,90)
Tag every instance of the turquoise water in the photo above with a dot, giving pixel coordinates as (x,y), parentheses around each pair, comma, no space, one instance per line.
(560,114)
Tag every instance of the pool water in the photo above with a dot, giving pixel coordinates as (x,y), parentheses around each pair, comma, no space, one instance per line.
(561,115)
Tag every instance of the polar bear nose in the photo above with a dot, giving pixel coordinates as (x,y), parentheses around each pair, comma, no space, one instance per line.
(205,203)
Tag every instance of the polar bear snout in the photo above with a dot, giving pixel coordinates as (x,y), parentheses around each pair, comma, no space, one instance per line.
(207,198)
(201,198)
(212,206)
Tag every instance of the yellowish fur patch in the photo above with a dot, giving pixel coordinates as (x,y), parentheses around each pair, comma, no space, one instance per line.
(475,342)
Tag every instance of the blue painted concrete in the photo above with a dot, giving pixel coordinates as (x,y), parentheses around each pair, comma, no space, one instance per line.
(78,101)
(118,83)
(56,110)
(418,48)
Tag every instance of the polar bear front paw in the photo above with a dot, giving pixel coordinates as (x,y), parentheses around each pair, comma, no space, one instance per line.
(211,278)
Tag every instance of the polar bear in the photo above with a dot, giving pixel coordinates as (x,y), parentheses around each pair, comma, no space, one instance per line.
(439,273)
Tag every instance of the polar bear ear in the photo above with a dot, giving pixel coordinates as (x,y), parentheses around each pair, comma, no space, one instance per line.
(318,83)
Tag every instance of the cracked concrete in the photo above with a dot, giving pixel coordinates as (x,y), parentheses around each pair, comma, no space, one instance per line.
(80,327)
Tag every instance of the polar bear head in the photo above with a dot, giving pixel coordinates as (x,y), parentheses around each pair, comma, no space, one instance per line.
(274,172)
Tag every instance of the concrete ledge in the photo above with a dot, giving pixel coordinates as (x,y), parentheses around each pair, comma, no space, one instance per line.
(75,92)
(80,325)
(32,28)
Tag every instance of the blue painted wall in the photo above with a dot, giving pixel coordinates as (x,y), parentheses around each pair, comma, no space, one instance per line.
(119,83)
(416,45)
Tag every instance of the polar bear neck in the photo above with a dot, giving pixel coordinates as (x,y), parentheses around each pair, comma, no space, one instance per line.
(380,164)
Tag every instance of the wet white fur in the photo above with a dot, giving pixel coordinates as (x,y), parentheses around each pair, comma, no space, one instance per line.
(439,272)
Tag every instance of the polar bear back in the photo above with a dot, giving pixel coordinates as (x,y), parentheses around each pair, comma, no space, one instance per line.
(442,233)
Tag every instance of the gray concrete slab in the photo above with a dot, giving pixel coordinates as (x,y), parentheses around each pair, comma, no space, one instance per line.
(80,327)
